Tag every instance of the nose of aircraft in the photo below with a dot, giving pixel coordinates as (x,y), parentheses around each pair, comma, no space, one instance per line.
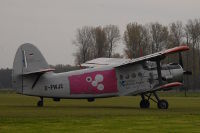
(177,73)
(173,73)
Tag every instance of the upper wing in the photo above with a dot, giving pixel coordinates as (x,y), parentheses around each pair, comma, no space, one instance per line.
(156,56)
(118,62)
(105,61)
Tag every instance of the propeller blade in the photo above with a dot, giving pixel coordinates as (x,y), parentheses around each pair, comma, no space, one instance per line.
(181,63)
(187,73)
(180,59)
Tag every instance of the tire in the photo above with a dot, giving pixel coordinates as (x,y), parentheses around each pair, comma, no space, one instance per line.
(162,104)
(144,104)
(56,99)
(40,104)
(90,99)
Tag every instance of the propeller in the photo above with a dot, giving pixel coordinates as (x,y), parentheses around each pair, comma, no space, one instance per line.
(180,59)
(181,63)
(187,72)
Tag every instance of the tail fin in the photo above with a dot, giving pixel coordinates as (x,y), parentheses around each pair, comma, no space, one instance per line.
(28,60)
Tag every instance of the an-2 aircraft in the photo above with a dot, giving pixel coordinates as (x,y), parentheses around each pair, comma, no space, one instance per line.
(105,77)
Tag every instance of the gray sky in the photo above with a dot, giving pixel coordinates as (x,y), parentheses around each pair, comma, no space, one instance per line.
(51,24)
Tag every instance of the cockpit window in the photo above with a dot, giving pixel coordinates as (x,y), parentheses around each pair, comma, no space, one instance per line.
(133,75)
(171,66)
(150,65)
(174,66)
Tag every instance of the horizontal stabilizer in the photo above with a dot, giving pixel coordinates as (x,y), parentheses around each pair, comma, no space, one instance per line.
(39,71)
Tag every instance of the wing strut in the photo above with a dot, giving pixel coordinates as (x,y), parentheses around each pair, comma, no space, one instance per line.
(159,72)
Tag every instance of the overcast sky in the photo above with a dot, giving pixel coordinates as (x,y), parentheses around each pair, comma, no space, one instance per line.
(51,24)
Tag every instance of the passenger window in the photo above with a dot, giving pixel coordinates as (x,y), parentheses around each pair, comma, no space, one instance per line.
(133,75)
(127,76)
(140,74)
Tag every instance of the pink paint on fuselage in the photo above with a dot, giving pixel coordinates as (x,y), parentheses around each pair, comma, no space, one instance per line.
(97,82)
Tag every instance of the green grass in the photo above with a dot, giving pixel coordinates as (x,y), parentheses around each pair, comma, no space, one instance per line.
(121,114)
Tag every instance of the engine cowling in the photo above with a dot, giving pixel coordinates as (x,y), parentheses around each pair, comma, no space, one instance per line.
(172,72)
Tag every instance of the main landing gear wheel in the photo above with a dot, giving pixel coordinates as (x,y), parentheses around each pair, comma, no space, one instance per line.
(144,103)
(162,104)
(40,103)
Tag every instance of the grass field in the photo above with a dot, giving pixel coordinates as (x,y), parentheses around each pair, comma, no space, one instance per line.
(121,114)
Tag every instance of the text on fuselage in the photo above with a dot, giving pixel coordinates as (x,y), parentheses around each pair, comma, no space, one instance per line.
(53,87)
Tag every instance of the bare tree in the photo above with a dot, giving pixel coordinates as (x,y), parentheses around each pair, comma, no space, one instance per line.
(146,41)
(176,34)
(112,37)
(175,38)
(100,45)
(95,42)
(136,38)
(159,35)
(84,41)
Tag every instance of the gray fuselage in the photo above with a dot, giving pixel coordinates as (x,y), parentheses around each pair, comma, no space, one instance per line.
(129,80)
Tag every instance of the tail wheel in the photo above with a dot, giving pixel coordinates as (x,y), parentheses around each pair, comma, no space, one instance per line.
(144,103)
(162,104)
(40,104)
(90,99)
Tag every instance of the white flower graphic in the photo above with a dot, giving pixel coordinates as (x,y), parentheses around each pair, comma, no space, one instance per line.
(100,87)
(95,82)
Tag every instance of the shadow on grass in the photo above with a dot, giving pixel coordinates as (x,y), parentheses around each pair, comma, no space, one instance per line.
(74,107)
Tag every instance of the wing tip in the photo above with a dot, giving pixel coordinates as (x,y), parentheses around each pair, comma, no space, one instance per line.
(169,85)
(177,49)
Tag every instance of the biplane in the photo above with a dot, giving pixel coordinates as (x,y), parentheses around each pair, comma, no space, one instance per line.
(101,78)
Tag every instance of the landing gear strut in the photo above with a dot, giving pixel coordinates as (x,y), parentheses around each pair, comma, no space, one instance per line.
(144,103)
(161,104)
(40,103)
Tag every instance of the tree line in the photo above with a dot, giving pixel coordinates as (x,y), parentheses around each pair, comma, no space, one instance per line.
(138,40)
